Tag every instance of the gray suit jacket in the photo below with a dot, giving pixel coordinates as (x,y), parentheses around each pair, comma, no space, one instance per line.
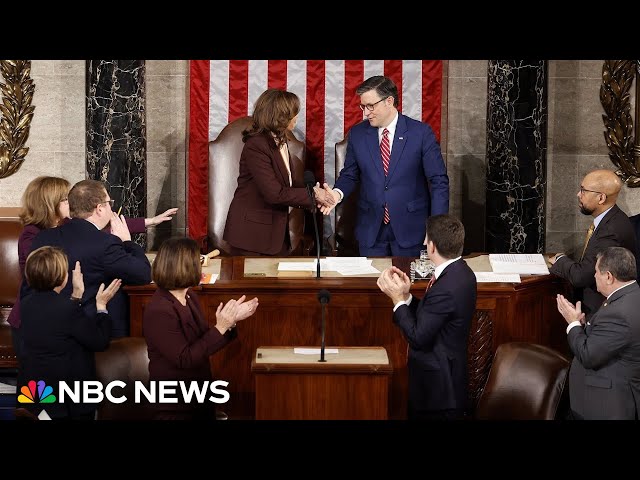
(604,380)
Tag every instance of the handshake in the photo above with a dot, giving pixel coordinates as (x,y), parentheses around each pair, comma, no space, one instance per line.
(326,198)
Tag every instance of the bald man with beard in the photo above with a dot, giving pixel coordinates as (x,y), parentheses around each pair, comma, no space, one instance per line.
(611,228)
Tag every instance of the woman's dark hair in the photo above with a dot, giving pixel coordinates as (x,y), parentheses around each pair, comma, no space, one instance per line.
(177,264)
(272,113)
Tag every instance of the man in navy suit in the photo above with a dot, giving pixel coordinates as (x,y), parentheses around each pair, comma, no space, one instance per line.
(397,160)
(436,327)
(103,256)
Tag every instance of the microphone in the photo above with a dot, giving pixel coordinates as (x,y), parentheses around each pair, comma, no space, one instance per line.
(310,181)
(323,296)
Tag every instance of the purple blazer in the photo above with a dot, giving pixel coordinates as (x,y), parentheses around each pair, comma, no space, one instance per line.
(136,225)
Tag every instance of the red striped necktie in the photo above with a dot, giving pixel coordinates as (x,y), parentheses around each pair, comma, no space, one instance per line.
(385,152)
(432,280)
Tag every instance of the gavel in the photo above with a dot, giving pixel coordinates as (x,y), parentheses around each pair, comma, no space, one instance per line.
(204,259)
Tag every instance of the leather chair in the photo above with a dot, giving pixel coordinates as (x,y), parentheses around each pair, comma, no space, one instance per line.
(343,242)
(635,221)
(526,382)
(224,165)
(126,359)
(10,229)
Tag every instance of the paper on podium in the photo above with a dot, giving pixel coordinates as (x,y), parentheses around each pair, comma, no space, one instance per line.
(522,263)
(313,351)
(488,277)
(6,389)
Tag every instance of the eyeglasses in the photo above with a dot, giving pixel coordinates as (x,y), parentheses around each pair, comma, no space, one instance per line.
(582,190)
(371,106)
(110,202)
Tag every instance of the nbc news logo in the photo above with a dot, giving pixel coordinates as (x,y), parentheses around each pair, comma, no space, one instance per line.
(44,391)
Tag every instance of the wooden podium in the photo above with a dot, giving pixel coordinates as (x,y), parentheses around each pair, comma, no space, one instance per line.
(358,315)
(352,384)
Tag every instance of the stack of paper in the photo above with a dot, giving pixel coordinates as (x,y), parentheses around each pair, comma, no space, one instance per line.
(342,265)
(522,263)
(492,277)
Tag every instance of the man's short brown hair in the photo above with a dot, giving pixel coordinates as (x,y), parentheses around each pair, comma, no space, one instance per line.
(46,268)
(447,234)
(85,196)
(177,264)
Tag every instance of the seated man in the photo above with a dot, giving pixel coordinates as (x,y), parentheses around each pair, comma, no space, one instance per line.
(103,256)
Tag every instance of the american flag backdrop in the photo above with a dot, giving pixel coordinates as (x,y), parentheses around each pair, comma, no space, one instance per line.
(223,90)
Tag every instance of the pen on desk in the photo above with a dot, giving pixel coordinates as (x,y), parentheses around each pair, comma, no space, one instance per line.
(257,274)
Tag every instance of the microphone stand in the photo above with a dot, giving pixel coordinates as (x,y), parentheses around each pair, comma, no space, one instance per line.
(310,181)
(324,296)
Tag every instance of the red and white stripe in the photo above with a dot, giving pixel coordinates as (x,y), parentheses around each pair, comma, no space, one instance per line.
(224,90)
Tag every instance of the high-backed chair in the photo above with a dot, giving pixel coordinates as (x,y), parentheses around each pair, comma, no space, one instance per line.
(526,382)
(343,241)
(9,286)
(635,221)
(126,359)
(224,166)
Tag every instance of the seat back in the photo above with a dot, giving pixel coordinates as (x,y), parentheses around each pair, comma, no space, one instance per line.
(635,221)
(10,229)
(126,359)
(526,382)
(344,242)
(224,166)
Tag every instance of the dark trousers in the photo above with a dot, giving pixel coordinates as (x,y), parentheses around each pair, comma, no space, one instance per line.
(386,245)
(284,251)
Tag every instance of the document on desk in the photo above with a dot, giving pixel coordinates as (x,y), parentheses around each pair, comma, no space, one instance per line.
(208,278)
(522,263)
(343,265)
(313,351)
(6,389)
(489,277)
(297,266)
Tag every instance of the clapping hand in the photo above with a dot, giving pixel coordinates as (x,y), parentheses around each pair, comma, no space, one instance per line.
(570,312)
(77,282)
(246,309)
(395,284)
(119,227)
(104,295)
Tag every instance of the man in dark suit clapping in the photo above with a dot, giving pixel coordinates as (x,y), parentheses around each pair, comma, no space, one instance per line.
(610,228)
(436,327)
(103,256)
(604,380)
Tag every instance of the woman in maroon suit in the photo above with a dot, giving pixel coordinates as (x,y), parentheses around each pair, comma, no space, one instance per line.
(45,204)
(178,336)
(258,218)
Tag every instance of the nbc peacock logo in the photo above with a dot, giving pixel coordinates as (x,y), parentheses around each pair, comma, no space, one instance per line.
(28,393)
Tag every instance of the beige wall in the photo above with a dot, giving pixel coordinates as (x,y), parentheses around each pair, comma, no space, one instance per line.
(167,85)
(465,149)
(57,137)
(576,145)
(575,140)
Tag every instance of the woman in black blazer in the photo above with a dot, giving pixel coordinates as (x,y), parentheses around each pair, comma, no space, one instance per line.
(59,338)
(178,336)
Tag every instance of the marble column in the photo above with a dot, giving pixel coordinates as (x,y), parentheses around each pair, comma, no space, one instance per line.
(516,156)
(116,133)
